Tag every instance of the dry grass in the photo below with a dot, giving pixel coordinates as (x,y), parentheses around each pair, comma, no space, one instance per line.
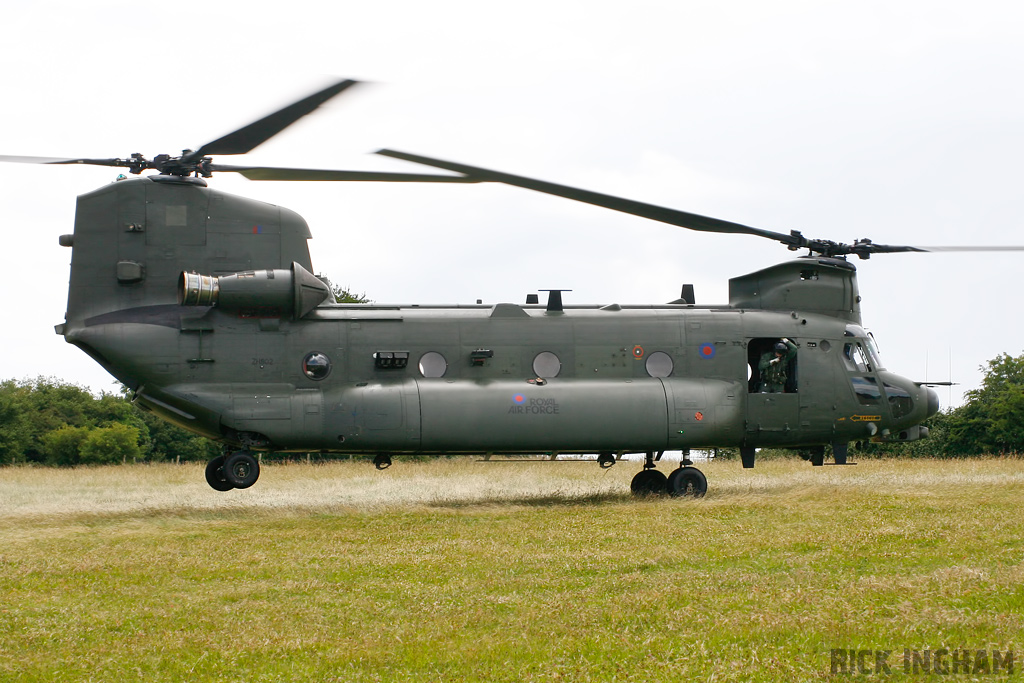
(30,492)
(453,570)
(354,486)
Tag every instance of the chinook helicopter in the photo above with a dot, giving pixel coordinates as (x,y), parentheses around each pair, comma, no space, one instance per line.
(204,305)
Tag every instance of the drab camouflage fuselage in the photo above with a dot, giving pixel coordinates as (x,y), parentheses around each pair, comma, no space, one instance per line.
(271,366)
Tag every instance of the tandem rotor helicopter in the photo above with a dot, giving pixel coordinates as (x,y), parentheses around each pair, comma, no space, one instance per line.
(205,306)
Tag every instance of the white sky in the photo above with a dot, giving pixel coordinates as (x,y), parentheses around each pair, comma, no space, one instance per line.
(900,122)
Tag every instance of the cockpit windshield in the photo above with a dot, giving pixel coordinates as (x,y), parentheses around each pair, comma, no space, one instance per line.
(873,351)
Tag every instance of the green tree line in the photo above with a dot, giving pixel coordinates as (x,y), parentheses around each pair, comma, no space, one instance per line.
(990,422)
(50,422)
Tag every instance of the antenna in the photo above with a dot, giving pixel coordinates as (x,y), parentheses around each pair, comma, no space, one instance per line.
(949,373)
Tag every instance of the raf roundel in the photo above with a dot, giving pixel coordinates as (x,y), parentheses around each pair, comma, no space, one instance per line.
(706,351)
(519,399)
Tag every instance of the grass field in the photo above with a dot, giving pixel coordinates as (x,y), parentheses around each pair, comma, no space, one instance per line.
(455,570)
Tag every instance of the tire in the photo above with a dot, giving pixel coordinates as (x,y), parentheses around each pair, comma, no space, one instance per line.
(241,470)
(215,475)
(648,483)
(688,482)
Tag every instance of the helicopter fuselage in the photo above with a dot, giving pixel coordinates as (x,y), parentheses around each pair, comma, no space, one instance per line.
(272,365)
(514,379)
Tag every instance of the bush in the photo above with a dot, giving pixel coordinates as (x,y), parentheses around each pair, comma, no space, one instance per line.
(63,446)
(52,422)
(113,444)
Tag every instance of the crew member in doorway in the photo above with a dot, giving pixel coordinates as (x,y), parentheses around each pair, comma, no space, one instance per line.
(774,366)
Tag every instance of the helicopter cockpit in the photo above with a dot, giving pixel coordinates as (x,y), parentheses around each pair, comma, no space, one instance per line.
(861,358)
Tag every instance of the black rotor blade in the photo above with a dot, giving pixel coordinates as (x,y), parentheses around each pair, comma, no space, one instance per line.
(865,248)
(248,138)
(682,219)
(972,248)
(270,173)
(60,160)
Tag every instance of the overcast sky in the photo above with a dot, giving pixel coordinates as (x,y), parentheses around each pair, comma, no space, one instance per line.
(900,122)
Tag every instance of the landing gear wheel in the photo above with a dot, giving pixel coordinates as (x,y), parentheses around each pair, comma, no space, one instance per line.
(241,470)
(215,474)
(687,481)
(648,483)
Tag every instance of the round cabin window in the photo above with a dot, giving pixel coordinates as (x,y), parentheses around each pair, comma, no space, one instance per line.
(659,364)
(316,365)
(433,364)
(546,364)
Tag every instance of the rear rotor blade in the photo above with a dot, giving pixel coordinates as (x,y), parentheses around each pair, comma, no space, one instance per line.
(682,219)
(248,138)
(61,160)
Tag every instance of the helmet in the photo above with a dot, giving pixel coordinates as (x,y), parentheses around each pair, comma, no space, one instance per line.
(781,348)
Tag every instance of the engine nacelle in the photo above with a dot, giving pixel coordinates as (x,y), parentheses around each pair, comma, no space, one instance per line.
(275,293)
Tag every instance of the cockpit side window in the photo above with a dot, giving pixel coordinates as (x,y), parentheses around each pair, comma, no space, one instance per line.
(861,351)
(900,402)
(855,358)
(867,390)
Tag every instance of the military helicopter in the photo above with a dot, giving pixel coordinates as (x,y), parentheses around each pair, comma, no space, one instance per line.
(205,306)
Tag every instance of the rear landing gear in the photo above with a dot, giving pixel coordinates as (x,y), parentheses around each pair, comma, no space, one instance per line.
(234,471)
(241,470)
(215,474)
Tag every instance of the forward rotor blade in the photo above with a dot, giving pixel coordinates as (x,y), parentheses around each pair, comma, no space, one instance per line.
(865,248)
(248,138)
(973,248)
(682,219)
(270,173)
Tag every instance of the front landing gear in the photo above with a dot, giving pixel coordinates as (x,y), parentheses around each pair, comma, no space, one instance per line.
(684,481)
(234,471)
(648,483)
(687,481)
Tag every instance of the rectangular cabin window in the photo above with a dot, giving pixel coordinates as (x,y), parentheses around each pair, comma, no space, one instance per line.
(771,366)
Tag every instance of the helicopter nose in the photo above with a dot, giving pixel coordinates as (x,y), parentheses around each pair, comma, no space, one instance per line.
(933,401)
